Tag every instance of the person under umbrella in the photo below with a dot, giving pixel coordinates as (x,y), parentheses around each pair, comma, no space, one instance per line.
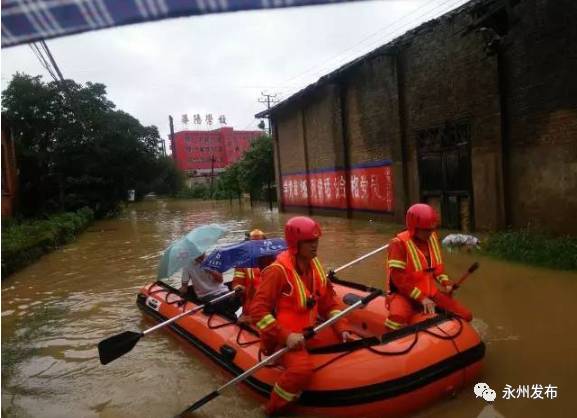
(248,278)
(204,285)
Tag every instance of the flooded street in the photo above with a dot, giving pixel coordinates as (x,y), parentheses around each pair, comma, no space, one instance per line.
(56,311)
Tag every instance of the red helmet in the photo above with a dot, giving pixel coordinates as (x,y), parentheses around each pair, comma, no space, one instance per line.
(300,228)
(421,216)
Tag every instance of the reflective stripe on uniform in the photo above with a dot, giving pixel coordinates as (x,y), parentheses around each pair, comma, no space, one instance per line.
(301,290)
(287,396)
(266,320)
(320,271)
(300,286)
(442,278)
(393,324)
(436,249)
(239,274)
(414,254)
(415,293)
(250,274)
(397,264)
(334,312)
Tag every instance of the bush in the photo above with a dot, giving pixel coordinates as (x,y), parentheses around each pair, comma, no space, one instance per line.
(534,248)
(25,242)
(197,191)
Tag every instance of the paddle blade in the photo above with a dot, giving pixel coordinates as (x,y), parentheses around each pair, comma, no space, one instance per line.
(198,404)
(117,345)
(473,267)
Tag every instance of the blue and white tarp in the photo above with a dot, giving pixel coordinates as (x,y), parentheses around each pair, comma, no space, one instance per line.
(244,254)
(26,21)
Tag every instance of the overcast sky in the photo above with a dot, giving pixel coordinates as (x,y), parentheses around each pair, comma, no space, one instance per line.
(220,64)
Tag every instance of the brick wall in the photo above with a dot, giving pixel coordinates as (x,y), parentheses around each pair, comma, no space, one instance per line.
(372,110)
(519,99)
(323,128)
(291,141)
(448,77)
(540,56)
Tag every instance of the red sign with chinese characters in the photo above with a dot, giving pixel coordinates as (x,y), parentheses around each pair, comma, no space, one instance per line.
(371,188)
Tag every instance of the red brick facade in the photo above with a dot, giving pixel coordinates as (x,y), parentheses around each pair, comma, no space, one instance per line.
(194,151)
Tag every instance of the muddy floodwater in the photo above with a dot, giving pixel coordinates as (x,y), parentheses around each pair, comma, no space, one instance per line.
(56,311)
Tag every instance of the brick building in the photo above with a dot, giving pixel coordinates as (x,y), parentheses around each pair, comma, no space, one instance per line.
(201,153)
(474,112)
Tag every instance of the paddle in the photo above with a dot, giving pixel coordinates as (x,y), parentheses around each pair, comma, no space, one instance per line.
(361,258)
(116,346)
(309,333)
(471,269)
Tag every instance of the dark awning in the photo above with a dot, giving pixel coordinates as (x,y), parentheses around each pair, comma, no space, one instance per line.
(26,21)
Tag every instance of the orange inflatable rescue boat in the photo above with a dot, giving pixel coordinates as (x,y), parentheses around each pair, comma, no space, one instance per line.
(375,375)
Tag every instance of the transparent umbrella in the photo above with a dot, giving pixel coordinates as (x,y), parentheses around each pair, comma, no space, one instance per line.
(184,250)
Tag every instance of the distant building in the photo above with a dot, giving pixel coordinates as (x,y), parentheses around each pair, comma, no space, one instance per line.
(202,153)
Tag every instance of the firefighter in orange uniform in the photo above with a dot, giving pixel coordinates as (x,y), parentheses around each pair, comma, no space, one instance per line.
(294,290)
(248,279)
(414,264)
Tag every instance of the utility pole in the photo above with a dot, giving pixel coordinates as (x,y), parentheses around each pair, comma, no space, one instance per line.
(212,160)
(268,99)
(172,147)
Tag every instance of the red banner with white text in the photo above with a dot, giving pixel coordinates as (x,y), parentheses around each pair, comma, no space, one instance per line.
(371,188)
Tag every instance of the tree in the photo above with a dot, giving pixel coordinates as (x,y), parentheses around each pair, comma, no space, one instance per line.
(229,183)
(257,168)
(74,149)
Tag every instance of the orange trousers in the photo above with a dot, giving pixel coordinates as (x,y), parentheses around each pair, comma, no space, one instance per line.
(299,369)
(402,309)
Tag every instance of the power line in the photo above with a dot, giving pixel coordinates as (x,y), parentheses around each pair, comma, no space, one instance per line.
(269,98)
(320,66)
(52,60)
(39,55)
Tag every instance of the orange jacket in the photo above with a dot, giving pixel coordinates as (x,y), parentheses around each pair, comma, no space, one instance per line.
(249,278)
(409,262)
(279,306)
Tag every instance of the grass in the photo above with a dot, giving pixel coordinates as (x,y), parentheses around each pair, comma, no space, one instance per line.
(23,243)
(534,248)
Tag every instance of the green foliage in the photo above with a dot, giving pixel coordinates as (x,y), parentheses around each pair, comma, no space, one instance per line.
(74,149)
(256,169)
(169,179)
(229,183)
(534,248)
(23,243)
(197,191)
